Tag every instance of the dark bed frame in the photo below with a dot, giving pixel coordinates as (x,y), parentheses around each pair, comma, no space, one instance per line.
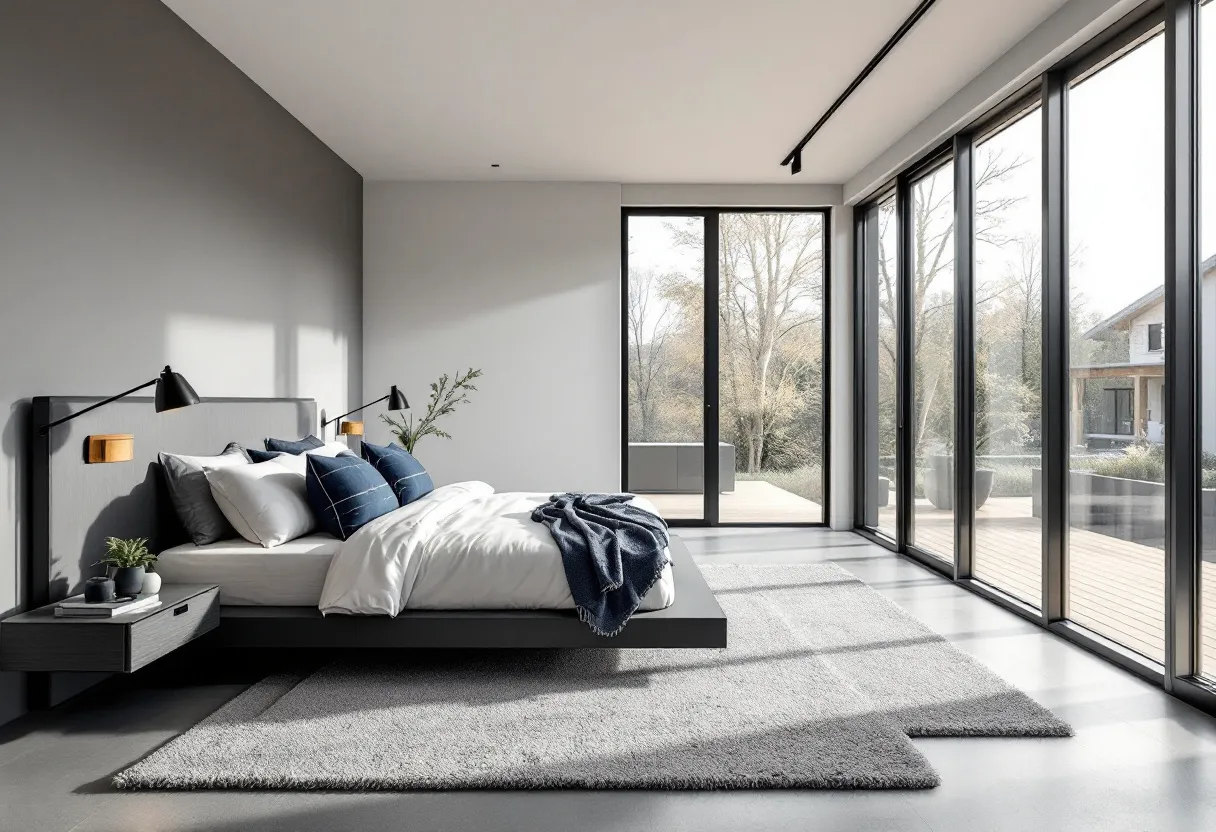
(74,506)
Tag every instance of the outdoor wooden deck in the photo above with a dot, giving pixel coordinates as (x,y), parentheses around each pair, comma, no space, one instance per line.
(752,501)
(1116,587)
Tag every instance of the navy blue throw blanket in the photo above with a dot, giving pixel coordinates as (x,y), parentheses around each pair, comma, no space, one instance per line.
(612,551)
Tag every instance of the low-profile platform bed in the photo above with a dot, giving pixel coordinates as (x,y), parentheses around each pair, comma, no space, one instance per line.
(269,596)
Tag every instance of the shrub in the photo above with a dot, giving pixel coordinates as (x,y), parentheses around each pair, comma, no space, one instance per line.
(1141,461)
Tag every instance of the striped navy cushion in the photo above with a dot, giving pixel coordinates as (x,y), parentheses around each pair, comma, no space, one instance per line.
(405,474)
(345,493)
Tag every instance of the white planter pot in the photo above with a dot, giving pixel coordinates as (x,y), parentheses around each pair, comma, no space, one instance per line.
(151,582)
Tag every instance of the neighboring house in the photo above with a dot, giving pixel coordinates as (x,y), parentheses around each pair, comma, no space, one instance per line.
(1125,413)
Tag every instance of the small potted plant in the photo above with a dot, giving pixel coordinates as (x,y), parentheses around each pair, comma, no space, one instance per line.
(130,559)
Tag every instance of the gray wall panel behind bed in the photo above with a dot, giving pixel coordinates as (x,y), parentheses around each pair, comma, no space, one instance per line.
(75,506)
(78,505)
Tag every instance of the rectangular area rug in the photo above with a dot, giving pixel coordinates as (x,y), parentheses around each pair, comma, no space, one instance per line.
(822,685)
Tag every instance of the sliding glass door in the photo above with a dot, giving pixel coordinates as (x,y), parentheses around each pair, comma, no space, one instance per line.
(664,362)
(1117,358)
(1206,348)
(771,365)
(1008,327)
(1036,352)
(877,351)
(931,293)
(725,314)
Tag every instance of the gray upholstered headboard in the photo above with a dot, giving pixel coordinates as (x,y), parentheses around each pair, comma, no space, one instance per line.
(75,506)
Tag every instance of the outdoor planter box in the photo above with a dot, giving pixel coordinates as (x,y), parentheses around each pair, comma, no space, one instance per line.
(1126,509)
(677,467)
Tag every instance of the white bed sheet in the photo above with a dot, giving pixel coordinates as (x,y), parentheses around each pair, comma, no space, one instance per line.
(485,553)
(289,575)
(463,546)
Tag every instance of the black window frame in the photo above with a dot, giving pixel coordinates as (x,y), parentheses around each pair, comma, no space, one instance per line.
(1177,20)
(710,356)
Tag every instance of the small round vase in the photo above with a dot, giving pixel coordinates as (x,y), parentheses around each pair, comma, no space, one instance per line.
(129,580)
(98,590)
(151,583)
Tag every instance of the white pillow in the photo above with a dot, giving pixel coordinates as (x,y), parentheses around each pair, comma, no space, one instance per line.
(266,502)
(296,463)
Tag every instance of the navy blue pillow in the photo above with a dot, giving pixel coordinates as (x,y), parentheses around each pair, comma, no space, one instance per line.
(261,456)
(308,443)
(405,474)
(345,493)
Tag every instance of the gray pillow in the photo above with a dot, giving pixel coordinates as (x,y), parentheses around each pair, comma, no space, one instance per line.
(186,479)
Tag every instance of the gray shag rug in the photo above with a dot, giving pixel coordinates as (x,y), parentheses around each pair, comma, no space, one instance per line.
(822,685)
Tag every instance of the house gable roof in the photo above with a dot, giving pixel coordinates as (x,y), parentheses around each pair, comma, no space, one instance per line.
(1122,319)
(1124,316)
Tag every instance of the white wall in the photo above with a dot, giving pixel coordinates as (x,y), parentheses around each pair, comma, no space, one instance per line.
(841,425)
(732,196)
(1137,338)
(521,280)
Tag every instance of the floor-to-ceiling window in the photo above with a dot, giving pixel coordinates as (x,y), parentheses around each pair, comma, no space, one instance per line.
(1008,298)
(1115,277)
(665,286)
(879,344)
(1036,319)
(931,295)
(1207,340)
(741,370)
(771,369)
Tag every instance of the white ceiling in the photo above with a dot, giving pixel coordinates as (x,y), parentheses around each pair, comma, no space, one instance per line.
(606,90)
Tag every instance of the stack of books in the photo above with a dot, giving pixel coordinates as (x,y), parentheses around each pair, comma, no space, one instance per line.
(77,607)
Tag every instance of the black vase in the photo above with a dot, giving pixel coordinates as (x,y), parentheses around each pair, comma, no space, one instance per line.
(129,580)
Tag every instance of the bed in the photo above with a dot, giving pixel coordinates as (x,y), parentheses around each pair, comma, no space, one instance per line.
(470,576)
(270,597)
(289,575)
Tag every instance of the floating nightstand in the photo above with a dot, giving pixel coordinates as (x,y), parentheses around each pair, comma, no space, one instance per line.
(351,428)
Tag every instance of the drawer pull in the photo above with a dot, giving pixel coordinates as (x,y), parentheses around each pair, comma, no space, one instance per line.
(183,608)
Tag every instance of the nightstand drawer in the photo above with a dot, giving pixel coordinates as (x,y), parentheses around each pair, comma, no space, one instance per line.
(171,627)
(39,641)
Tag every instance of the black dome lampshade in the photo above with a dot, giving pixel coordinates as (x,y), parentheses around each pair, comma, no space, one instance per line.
(173,391)
(396,401)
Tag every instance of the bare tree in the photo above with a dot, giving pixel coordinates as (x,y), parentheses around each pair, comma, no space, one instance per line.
(932,257)
(771,270)
(651,321)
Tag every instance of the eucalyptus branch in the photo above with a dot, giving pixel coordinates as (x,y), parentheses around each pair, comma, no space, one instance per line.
(446,394)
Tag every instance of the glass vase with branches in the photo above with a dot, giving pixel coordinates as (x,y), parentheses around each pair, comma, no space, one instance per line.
(446,394)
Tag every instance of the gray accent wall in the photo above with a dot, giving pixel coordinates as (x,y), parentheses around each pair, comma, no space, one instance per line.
(156,206)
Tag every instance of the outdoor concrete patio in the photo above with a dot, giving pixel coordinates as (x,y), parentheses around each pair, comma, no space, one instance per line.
(752,501)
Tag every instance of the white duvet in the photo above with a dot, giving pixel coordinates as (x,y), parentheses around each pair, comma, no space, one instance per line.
(462,546)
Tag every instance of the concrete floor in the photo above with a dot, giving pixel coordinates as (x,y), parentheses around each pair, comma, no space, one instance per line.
(1140,761)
